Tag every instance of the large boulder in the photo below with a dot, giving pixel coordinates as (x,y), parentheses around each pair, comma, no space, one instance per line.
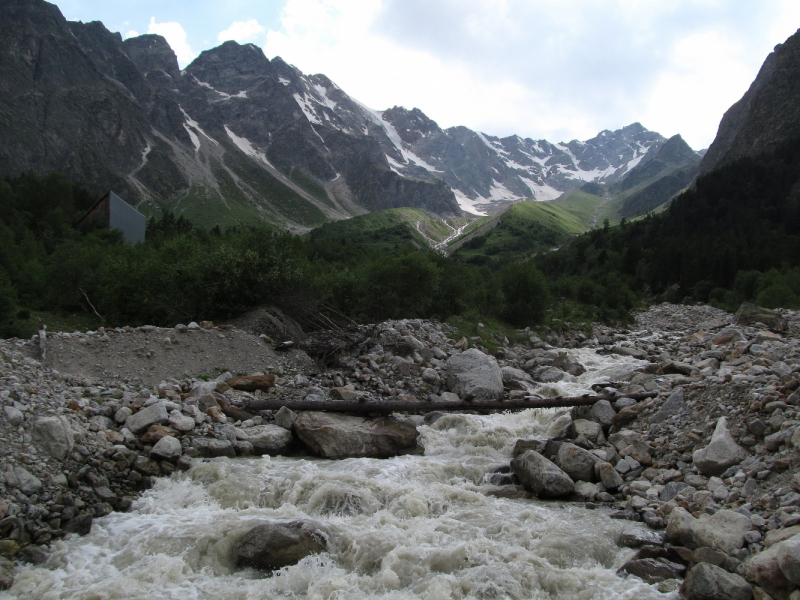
(278,544)
(576,462)
(709,582)
(680,525)
(266,439)
(152,415)
(337,436)
(541,476)
(724,530)
(764,570)
(748,314)
(474,375)
(722,452)
(54,436)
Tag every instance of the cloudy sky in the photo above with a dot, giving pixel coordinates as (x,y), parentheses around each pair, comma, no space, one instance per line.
(552,69)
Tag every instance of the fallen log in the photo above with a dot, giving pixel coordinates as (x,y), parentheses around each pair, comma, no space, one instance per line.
(390,406)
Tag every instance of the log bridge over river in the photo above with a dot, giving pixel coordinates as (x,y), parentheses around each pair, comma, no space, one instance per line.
(371,407)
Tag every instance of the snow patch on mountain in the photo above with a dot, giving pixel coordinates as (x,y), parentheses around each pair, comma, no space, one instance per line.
(304,104)
(246,146)
(193,128)
(541,193)
(468,204)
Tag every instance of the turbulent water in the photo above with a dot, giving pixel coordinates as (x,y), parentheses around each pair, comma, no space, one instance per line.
(406,527)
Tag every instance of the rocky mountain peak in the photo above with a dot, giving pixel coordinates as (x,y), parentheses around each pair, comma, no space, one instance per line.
(151,53)
(230,67)
(411,125)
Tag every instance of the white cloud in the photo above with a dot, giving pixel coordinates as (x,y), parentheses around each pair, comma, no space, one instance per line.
(242,31)
(131,33)
(558,69)
(176,37)
(706,75)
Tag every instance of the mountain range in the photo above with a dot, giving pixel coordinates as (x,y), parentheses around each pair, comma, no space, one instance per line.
(236,137)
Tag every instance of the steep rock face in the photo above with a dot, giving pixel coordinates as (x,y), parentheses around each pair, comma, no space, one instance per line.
(767,115)
(60,111)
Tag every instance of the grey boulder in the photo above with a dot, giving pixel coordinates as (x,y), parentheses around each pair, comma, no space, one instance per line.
(266,439)
(278,544)
(709,582)
(338,436)
(541,476)
(474,375)
(54,436)
(576,462)
(672,406)
(722,452)
(167,448)
(152,415)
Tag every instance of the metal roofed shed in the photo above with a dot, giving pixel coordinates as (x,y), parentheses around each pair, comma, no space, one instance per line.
(113,212)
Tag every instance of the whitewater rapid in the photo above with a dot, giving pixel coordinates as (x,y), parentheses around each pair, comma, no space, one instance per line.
(417,526)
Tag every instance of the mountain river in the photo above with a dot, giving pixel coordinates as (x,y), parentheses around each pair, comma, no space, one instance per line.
(416,526)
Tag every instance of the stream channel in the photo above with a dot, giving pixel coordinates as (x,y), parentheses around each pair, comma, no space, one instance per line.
(415,526)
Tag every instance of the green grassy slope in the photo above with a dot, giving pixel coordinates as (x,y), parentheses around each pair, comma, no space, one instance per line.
(527,228)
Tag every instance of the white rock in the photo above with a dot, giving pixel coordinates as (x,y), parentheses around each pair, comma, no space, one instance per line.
(168,448)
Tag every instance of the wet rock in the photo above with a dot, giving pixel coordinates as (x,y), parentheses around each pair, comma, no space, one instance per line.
(266,439)
(551,375)
(541,476)
(167,448)
(211,448)
(535,444)
(724,530)
(337,436)
(142,420)
(251,383)
(474,375)
(54,436)
(576,462)
(559,427)
(672,406)
(652,570)
(80,525)
(275,545)
(721,453)
(709,582)
(7,573)
(35,555)
(635,538)
(146,466)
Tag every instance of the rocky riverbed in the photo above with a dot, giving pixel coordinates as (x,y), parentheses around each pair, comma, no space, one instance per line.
(709,464)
